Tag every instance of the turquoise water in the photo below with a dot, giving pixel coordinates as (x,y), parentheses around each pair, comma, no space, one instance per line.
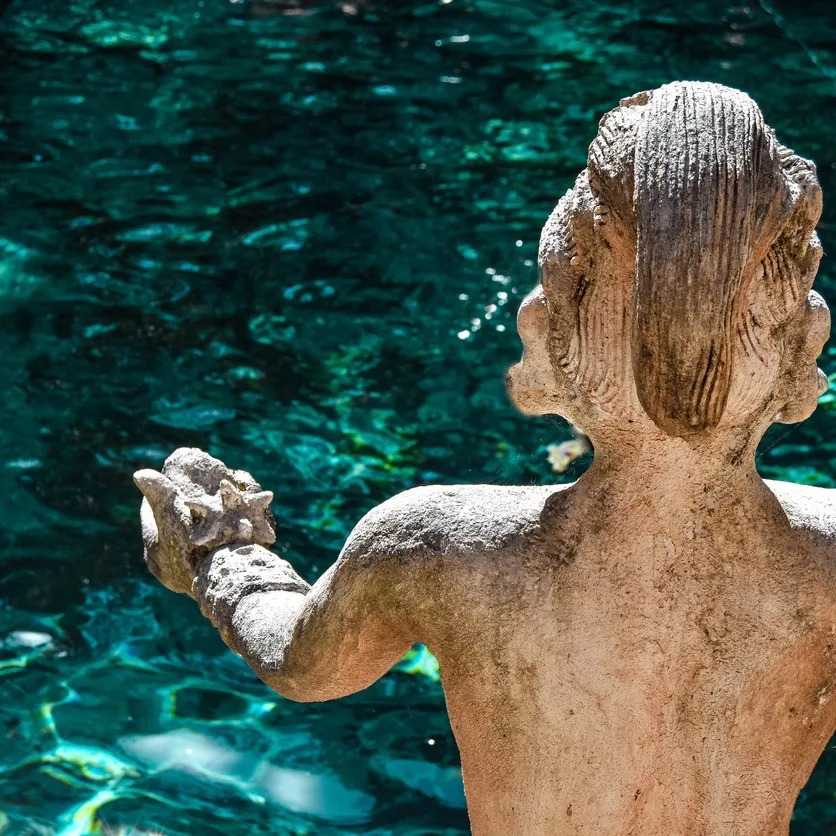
(294,233)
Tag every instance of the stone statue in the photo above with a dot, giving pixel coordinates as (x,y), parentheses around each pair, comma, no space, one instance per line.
(652,649)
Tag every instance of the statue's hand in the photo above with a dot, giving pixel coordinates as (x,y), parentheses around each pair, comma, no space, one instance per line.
(196,505)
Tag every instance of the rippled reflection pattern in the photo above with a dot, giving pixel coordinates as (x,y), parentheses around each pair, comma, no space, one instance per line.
(294,233)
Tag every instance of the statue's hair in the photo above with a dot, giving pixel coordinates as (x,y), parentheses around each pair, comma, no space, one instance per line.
(680,249)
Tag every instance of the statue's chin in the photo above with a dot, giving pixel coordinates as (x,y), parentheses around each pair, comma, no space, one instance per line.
(804,403)
(528,399)
(794,413)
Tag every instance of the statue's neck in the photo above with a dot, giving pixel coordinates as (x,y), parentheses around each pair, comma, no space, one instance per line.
(670,476)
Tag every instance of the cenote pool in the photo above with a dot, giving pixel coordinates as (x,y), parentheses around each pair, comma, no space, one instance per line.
(295,233)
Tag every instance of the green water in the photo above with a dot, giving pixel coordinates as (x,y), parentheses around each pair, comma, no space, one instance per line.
(294,233)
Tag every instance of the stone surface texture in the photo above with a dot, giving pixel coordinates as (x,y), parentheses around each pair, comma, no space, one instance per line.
(652,649)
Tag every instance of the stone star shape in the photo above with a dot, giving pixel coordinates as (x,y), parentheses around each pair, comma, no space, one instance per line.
(231,516)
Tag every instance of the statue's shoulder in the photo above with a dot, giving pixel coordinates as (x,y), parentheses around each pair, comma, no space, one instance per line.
(450,520)
(808,508)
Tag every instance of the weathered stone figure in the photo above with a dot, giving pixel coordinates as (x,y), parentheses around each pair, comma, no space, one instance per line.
(651,650)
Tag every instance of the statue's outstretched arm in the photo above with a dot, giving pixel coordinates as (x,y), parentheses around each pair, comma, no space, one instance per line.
(205,530)
(308,643)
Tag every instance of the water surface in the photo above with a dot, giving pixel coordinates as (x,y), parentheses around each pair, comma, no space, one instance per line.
(294,233)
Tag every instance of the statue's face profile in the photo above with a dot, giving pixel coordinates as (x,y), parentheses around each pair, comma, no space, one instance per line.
(804,382)
(676,276)
(532,383)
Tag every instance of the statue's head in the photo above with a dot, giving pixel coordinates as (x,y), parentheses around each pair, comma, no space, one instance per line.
(676,276)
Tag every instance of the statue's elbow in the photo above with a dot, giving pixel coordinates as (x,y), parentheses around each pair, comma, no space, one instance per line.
(298,687)
(295,690)
(312,685)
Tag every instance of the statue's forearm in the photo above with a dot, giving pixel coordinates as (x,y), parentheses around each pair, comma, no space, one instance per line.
(307,643)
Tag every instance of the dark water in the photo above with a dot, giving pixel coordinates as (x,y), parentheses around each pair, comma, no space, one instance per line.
(294,233)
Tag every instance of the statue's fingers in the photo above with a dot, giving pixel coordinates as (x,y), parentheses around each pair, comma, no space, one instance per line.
(155,487)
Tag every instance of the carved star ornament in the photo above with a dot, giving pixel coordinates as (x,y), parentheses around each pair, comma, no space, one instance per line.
(231,515)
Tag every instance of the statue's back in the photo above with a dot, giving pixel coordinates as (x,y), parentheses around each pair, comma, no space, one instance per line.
(608,681)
